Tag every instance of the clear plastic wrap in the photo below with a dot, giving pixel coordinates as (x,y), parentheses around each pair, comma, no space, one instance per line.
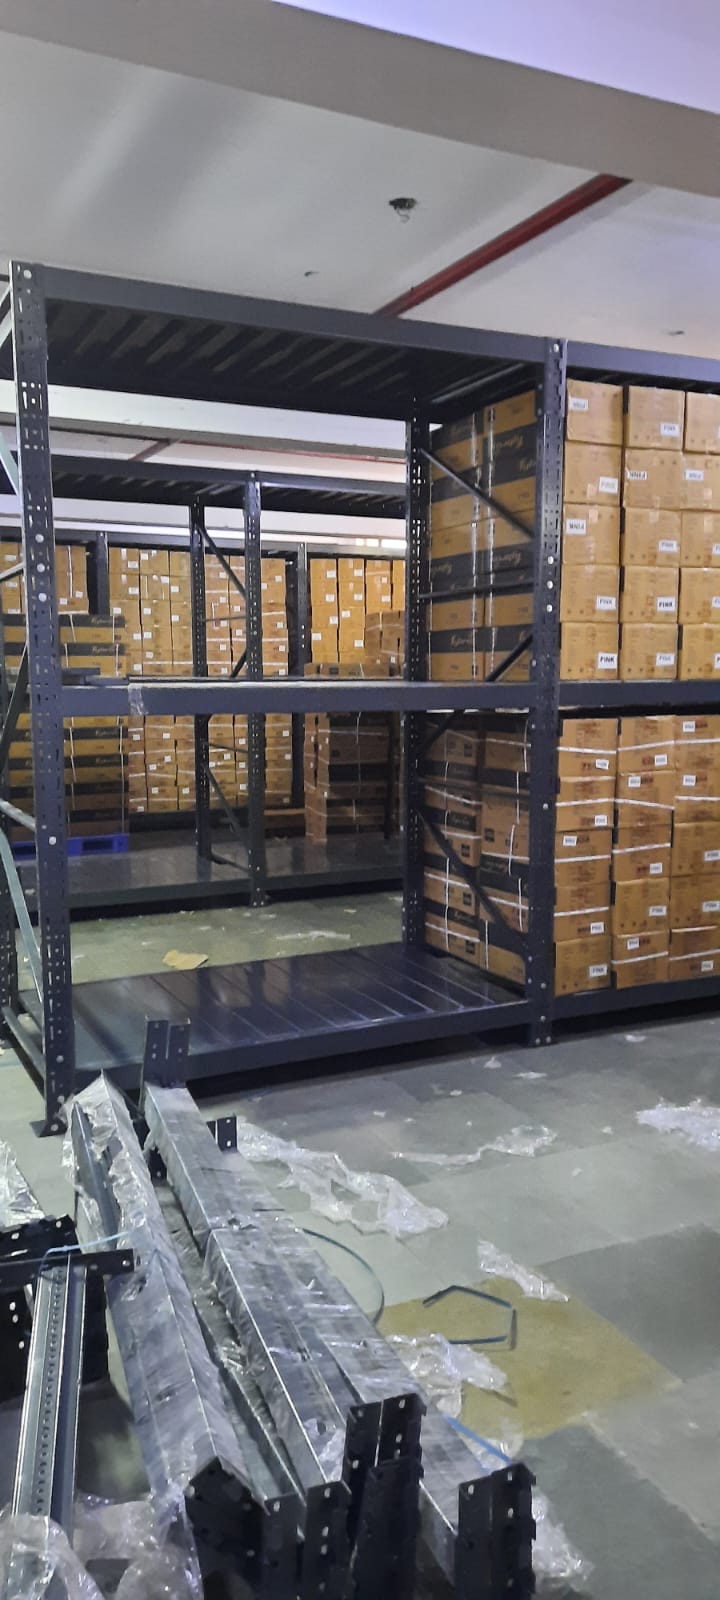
(37,1562)
(493,1264)
(381,1204)
(152,1537)
(442,1369)
(17,1201)
(523,1141)
(698,1123)
(556,1562)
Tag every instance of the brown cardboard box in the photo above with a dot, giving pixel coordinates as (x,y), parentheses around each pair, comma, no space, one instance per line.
(654,480)
(700,594)
(506,610)
(702,423)
(642,906)
(466,846)
(701,483)
(447,614)
(594,412)
(476,949)
(695,903)
(694,941)
(695,849)
(697,796)
(592,474)
(582,911)
(639,853)
(654,418)
(648,650)
(508,415)
(589,594)
(458,444)
(589,650)
(653,788)
(700,538)
(581,761)
(699,652)
(582,964)
(642,730)
(588,733)
(651,538)
(590,534)
(649,594)
(625,946)
(505,825)
(631,972)
(584,813)
(684,968)
(697,742)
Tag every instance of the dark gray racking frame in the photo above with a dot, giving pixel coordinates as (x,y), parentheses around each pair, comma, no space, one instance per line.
(100,332)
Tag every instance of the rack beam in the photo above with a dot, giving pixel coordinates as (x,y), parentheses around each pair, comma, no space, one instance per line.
(184,697)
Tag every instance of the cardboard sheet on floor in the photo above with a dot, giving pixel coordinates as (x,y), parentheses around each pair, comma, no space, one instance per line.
(568,1360)
(183,960)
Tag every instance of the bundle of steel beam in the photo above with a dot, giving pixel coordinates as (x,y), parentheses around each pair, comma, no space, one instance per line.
(315,1356)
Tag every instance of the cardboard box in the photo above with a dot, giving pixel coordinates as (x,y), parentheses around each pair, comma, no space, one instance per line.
(651,538)
(684,968)
(648,650)
(650,791)
(580,761)
(651,732)
(582,964)
(585,812)
(700,538)
(631,946)
(589,594)
(641,854)
(458,444)
(649,594)
(654,418)
(476,949)
(693,941)
(590,535)
(592,474)
(695,848)
(699,651)
(589,650)
(702,423)
(642,906)
(701,483)
(507,415)
(697,742)
(654,480)
(594,412)
(581,912)
(445,615)
(700,594)
(632,972)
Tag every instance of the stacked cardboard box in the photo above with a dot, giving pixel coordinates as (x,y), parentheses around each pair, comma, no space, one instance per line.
(344,594)
(695,856)
(653,491)
(384,651)
(641,856)
(346,761)
(70,577)
(480,563)
(590,550)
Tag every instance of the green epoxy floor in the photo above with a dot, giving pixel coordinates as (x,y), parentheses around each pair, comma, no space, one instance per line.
(619,1396)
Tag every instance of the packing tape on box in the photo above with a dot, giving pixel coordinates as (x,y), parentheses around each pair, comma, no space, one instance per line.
(700,799)
(653,805)
(589,750)
(631,849)
(585,911)
(632,961)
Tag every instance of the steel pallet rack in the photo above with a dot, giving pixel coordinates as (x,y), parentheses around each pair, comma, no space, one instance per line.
(150,338)
(176,874)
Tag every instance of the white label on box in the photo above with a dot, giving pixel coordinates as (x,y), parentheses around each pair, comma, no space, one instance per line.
(715,602)
(329,598)
(597,927)
(359,644)
(635,475)
(665,602)
(670,430)
(570,839)
(668,547)
(599,971)
(632,944)
(661,761)
(607,661)
(602,763)
(605,602)
(607,486)
(576,404)
(716,549)
(694,475)
(707,966)
(665,658)
(657,911)
(711,855)
(602,821)
(689,726)
(634,781)
(575,525)
(711,905)
(656,869)
(688,780)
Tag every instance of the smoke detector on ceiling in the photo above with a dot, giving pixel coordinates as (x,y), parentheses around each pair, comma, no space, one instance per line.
(403,206)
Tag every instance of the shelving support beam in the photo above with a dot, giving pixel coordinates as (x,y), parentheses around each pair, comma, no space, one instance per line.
(417,582)
(257,864)
(200,670)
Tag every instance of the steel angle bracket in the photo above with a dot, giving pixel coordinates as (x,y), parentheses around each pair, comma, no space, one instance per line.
(326,1551)
(493,1550)
(386,1511)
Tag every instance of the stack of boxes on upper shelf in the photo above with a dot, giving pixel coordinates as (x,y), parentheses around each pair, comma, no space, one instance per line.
(94,747)
(346,766)
(632,572)
(357,606)
(150,589)
(636,857)
(481,563)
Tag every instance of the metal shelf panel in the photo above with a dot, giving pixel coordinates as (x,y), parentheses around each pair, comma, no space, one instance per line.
(188,697)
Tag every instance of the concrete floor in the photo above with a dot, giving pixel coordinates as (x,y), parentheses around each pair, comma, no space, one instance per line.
(617,1391)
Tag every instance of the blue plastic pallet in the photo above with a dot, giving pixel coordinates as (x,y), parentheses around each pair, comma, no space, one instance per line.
(93,844)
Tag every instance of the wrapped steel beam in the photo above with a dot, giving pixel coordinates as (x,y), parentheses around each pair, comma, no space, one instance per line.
(478,1525)
(184,1429)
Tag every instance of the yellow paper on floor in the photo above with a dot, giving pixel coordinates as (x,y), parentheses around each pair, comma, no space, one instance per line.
(183,960)
(567,1360)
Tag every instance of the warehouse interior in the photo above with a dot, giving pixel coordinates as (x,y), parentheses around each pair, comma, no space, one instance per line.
(359,801)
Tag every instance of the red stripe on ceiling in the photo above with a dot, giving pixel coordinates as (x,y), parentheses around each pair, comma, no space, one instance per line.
(543,221)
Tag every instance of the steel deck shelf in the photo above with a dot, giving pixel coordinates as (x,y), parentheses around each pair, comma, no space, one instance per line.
(103,332)
(172,874)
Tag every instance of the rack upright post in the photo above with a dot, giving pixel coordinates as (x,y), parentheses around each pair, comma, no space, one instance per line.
(257,866)
(417,583)
(200,670)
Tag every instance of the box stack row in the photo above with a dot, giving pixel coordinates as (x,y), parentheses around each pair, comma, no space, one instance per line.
(481,564)
(640,593)
(345,594)
(346,768)
(70,577)
(636,858)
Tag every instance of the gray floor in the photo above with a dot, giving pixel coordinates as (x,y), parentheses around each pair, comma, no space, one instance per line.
(617,1393)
